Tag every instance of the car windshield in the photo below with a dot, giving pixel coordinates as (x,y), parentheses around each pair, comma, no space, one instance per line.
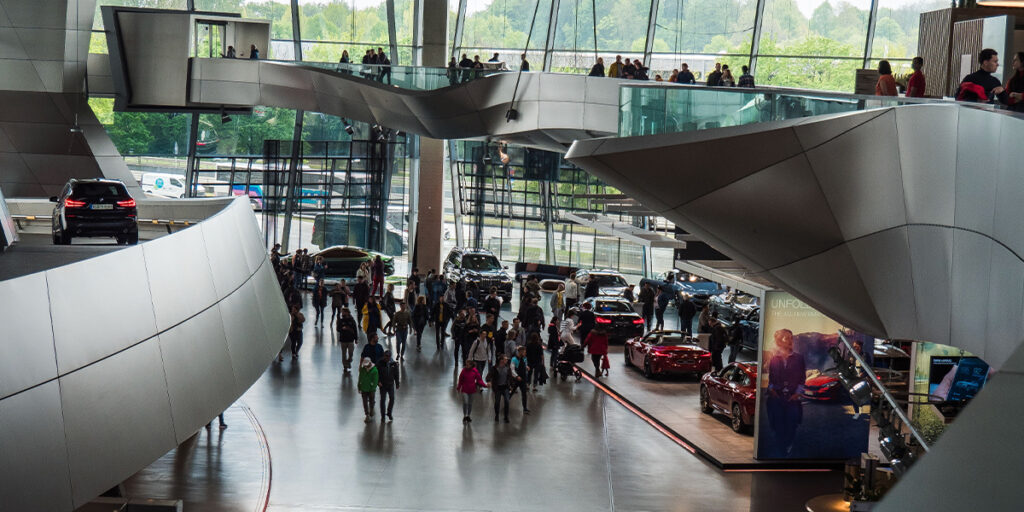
(480,262)
(702,286)
(609,280)
(669,340)
(746,299)
(612,306)
(98,190)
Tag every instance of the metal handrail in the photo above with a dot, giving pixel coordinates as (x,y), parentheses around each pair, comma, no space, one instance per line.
(885,392)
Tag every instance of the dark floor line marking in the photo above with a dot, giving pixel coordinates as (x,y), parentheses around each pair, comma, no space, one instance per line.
(608,460)
(268,462)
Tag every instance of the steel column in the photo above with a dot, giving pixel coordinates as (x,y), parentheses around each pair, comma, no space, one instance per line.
(755,42)
(293,171)
(392,32)
(456,191)
(870,40)
(190,161)
(417,33)
(652,19)
(460,23)
(296,33)
(549,43)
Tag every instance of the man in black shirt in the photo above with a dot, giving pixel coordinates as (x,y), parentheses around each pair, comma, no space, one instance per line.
(715,77)
(685,76)
(524,65)
(981,86)
(587,321)
(492,304)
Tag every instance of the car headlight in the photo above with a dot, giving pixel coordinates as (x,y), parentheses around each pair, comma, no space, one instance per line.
(473,277)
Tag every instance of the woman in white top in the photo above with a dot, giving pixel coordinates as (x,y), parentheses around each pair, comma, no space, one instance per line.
(572,291)
(568,331)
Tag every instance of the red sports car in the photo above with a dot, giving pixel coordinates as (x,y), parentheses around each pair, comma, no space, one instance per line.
(733,391)
(824,386)
(667,352)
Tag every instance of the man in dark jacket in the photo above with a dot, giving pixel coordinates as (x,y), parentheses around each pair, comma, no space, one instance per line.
(647,310)
(348,333)
(388,375)
(685,76)
(593,288)
(492,304)
(361,293)
(717,342)
(687,310)
(981,86)
(587,321)
(715,77)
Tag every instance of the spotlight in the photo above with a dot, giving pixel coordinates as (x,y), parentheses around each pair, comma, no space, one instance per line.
(224,118)
(348,126)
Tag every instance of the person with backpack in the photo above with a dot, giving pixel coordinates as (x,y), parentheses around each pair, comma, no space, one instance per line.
(420,316)
(388,382)
(368,380)
(480,350)
(469,334)
(535,360)
(319,302)
(339,299)
(500,380)
(468,384)
(348,333)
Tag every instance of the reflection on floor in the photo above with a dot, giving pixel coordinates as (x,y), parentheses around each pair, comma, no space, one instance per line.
(577,450)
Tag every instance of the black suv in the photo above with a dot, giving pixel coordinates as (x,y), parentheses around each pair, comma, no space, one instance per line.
(479,266)
(95,207)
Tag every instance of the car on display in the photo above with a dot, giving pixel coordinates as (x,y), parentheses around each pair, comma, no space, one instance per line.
(734,304)
(94,207)
(824,386)
(731,391)
(685,285)
(617,316)
(609,282)
(479,266)
(342,261)
(667,353)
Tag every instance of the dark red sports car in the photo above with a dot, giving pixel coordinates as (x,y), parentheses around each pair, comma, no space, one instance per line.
(667,352)
(733,391)
(824,386)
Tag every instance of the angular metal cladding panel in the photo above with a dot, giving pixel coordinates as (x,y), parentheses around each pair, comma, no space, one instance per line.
(883,262)
(19,75)
(560,115)
(14,170)
(861,178)
(1009,206)
(970,284)
(223,241)
(814,132)
(42,43)
(247,341)
(931,261)
(30,107)
(117,418)
(292,97)
(179,276)
(200,378)
(34,473)
(989,430)
(605,117)
(25,320)
(275,316)
(53,140)
(559,87)
(497,89)
(228,93)
(253,251)
(10,45)
(32,13)
(977,169)
(1005,304)
(227,70)
(830,282)
(927,136)
(23,189)
(602,91)
(89,298)
(793,220)
(285,75)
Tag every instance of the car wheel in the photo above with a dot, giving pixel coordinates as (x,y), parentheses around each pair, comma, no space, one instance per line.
(133,238)
(120,240)
(647,368)
(705,400)
(737,419)
(65,238)
(626,352)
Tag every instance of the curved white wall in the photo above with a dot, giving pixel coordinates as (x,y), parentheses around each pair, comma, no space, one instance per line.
(109,363)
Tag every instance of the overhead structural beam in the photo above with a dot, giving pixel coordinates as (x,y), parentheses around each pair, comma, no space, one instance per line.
(755,42)
(549,42)
(652,20)
(624,230)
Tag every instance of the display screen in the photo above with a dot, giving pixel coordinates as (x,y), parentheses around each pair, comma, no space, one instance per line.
(956,379)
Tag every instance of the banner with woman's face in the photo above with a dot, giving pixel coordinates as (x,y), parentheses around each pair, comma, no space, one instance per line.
(803,410)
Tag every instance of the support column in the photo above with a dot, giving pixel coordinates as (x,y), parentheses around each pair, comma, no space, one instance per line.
(651,22)
(417,33)
(549,42)
(755,42)
(392,32)
(426,249)
(870,41)
(460,23)
(296,33)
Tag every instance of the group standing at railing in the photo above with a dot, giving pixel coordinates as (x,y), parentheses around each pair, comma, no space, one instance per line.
(980,86)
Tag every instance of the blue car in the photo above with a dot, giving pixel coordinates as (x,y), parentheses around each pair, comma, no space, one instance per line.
(683,285)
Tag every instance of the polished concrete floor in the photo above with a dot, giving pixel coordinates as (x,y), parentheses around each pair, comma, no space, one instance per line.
(36,253)
(577,450)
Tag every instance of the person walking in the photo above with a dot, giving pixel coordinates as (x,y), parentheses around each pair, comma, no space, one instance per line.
(400,323)
(554,342)
(372,349)
(567,332)
(420,316)
(663,298)
(469,383)
(361,295)
(378,276)
(704,321)
(499,378)
(716,344)
(388,382)
(492,304)
(598,69)
(469,334)
(480,351)
(587,321)
(735,340)
(372,320)
(572,291)
(319,302)
(647,301)
(295,332)
(521,376)
(368,379)
(339,299)
(597,346)
(347,335)
(687,310)
(558,301)
(511,343)
(388,304)
(458,329)
(535,360)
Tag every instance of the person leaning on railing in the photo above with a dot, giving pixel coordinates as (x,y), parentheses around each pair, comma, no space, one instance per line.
(886,85)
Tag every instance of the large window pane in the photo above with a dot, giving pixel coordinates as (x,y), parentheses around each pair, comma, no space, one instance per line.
(351,25)
(149,141)
(704,26)
(828,74)
(815,28)
(279,12)
(505,24)
(896,30)
(244,134)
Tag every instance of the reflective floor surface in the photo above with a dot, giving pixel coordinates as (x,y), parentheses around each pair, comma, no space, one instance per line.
(577,450)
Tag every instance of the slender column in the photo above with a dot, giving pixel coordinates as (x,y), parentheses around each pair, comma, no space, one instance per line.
(456,193)
(755,42)
(190,162)
(392,32)
(652,19)
(293,171)
(296,32)
(870,41)
(549,43)
(460,23)
(417,33)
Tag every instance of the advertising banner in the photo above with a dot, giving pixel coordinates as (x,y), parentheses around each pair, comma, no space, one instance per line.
(803,410)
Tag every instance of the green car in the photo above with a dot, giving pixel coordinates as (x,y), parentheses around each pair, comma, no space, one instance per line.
(344,260)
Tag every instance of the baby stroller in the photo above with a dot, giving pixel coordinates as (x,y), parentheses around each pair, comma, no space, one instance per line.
(570,355)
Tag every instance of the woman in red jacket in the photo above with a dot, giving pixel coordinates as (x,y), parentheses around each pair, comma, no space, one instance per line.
(469,383)
(597,346)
